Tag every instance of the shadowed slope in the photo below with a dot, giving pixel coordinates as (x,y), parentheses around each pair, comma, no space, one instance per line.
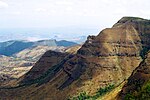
(138,81)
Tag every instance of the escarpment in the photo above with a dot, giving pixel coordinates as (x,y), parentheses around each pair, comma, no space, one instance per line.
(108,58)
(138,83)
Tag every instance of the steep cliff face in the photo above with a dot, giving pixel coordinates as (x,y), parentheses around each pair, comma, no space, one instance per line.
(110,57)
(107,58)
(138,86)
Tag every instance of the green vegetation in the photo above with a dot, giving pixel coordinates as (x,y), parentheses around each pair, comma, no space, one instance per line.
(99,93)
(129,97)
(143,52)
(140,94)
(103,91)
(81,96)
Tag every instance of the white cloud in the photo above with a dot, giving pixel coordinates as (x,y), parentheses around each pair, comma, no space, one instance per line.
(58,13)
(16,13)
(40,10)
(3,4)
(64,2)
(34,38)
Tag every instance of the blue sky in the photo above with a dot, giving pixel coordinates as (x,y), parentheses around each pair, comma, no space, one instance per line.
(70,15)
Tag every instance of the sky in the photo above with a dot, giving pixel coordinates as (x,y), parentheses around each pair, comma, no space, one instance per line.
(68,17)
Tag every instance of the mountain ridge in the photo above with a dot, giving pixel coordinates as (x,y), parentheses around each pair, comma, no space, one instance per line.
(108,58)
(9,48)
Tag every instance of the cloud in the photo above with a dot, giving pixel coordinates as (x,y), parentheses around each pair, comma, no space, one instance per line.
(59,13)
(3,5)
(64,2)
(40,10)
(16,13)
(35,38)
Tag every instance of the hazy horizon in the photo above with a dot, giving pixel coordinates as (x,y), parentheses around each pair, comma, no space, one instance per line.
(35,34)
(38,19)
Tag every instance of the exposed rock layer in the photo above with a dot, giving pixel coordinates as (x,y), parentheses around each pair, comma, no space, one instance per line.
(138,79)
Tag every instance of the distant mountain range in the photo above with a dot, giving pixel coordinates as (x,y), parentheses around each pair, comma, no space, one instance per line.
(9,48)
(13,67)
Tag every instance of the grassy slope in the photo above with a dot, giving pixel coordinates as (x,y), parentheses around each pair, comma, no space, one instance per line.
(113,94)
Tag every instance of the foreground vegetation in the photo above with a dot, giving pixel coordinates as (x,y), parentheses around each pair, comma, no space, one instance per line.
(99,93)
(142,93)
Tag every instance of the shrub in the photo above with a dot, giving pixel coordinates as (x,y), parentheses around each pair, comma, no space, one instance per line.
(143,52)
(104,90)
(142,93)
(129,97)
(81,96)
(100,92)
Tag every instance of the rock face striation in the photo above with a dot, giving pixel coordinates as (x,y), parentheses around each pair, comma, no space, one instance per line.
(108,58)
(50,61)
(138,84)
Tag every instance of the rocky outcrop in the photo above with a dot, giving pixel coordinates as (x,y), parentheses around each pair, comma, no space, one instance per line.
(111,56)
